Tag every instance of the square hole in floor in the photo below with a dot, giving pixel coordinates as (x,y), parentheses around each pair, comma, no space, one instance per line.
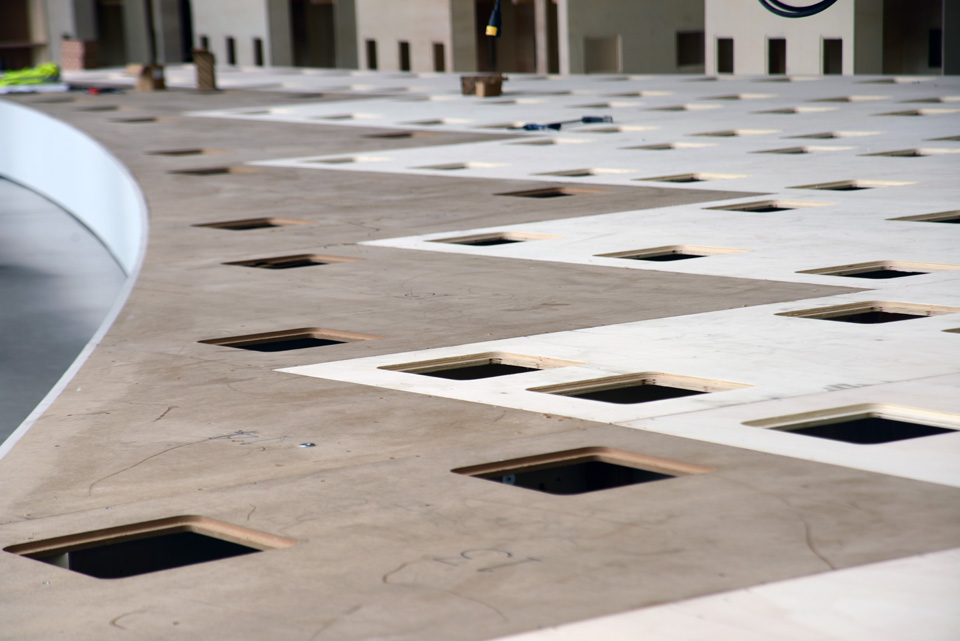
(290,339)
(692,178)
(462,165)
(552,192)
(478,366)
(865,424)
(916,153)
(150,546)
(853,185)
(796,110)
(730,133)
(872,312)
(347,160)
(950,217)
(190,151)
(881,269)
(403,134)
(800,150)
(631,389)
(673,145)
(215,171)
(869,431)
(769,206)
(291,262)
(253,223)
(496,238)
(588,469)
(743,96)
(544,142)
(827,135)
(691,107)
(920,112)
(583,173)
(670,253)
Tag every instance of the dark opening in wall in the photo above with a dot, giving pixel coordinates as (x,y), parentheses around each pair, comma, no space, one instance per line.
(290,339)
(258,52)
(151,546)
(776,56)
(582,470)
(935,49)
(404,55)
(832,56)
(371,46)
(724,55)
(439,57)
(205,43)
(690,50)
(231,50)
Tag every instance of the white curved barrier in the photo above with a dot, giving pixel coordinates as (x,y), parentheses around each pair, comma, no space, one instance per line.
(81,176)
(74,171)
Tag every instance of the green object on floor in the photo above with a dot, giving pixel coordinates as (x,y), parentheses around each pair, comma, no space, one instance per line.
(47,72)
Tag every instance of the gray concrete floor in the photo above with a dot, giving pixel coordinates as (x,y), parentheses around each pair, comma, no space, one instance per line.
(57,283)
(390,543)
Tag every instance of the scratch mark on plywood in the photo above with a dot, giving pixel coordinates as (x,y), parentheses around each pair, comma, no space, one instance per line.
(165,412)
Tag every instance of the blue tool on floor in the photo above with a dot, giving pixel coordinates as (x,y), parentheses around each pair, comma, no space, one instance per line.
(555,126)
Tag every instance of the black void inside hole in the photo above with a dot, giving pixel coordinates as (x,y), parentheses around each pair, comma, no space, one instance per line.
(766,209)
(475,372)
(488,242)
(875,317)
(287,344)
(853,187)
(869,431)
(667,257)
(284,263)
(576,477)
(638,393)
(244,225)
(953,219)
(883,274)
(142,556)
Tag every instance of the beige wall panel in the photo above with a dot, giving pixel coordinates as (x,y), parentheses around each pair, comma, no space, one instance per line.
(420,23)
(750,26)
(243,20)
(647,30)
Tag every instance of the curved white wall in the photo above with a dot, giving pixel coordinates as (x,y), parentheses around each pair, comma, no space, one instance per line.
(74,171)
(81,176)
